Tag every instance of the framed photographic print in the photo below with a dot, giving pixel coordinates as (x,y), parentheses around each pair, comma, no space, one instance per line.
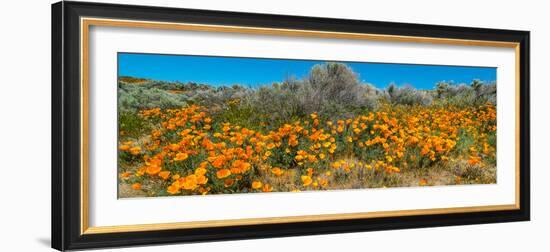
(180,125)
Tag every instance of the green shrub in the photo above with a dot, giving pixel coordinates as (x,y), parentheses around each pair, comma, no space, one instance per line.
(130,124)
(137,97)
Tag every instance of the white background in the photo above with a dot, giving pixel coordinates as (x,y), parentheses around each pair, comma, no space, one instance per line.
(106,210)
(25,127)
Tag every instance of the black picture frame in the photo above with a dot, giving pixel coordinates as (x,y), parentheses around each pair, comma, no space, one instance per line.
(66,125)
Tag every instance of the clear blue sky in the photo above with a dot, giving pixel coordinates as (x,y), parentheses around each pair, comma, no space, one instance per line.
(218,71)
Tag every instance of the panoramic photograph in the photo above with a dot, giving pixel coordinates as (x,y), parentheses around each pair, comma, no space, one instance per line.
(199,125)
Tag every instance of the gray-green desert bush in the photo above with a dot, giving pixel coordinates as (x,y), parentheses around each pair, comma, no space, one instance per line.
(407,95)
(135,97)
(463,95)
(334,88)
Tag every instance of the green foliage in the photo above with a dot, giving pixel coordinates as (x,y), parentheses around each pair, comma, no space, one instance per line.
(240,115)
(131,124)
(137,97)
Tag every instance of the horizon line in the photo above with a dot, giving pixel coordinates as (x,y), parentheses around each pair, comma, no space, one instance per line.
(451,82)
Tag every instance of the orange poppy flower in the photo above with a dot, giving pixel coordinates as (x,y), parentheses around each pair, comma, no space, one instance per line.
(126,174)
(201,180)
(173,189)
(181,156)
(200,171)
(267,188)
(173,147)
(228,182)
(223,173)
(218,161)
(423,182)
(136,186)
(153,169)
(306,180)
(164,174)
(135,150)
(256,185)
(277,171)
(189,182)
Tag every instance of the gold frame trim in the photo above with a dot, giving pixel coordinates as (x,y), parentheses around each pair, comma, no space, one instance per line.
(85,24)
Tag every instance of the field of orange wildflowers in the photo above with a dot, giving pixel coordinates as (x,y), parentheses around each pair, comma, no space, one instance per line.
(190,151)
